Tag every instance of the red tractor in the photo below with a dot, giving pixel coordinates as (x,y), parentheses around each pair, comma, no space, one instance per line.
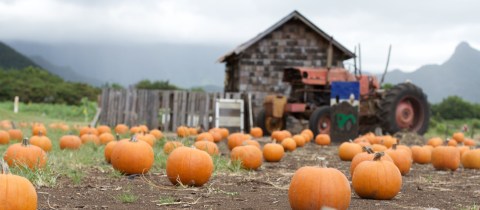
(402,107)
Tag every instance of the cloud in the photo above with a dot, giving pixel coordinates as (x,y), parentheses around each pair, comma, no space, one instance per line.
(421,32)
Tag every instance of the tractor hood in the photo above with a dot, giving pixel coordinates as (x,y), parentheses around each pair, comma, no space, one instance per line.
(316,76)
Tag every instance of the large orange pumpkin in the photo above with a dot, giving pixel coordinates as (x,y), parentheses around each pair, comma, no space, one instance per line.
(273,152)
(250,156)
(348,150)
(369,154)
(132,156)
(70,142)
(445,158)
(42,142)
(377,179)
(189,166)
(25,154)
(16,192)
(316,188)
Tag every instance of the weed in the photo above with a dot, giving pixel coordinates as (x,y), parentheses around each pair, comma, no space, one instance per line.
(127,197)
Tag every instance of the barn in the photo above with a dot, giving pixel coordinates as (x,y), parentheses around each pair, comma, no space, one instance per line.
(256,66)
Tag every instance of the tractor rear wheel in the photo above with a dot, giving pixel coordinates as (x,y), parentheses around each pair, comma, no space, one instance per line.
(319,121)
(404,107)
(269,123)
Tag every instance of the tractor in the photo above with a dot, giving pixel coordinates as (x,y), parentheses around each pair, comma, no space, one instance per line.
(399,108)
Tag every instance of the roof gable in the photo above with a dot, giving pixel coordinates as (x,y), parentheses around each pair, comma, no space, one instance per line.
(294,15)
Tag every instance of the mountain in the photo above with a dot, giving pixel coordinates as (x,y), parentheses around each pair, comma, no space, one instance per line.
(11,59)
(65,72)
(457,76)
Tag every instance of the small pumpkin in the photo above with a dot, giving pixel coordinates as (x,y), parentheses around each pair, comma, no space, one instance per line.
(88,130)
(452,143)
(193,131)
(308,133)
(322,139)
(471,159)
(15,134)
(148,138)
(435,141)
(207,146)
(377,179)
(348,150)
(250,156)
(256,132)
(422,154)
(70,142)
(379,147)
(225,132)
(252,142)
(41,141)
(16,192)
(38,128)
(299,140)
(401,158)
(157,133)
(205,136)
(25,154)
(289,144)
(90,138)
(4,137)
(445,158)
(273,152)
(469,142)
(132,156)
(458,137)
(170,146)
(217,136)
(106,137)
(121,129)
(369,154)
(103,129)
(315,187)
(183,131)
(189,166)
(107,152)
(235,140)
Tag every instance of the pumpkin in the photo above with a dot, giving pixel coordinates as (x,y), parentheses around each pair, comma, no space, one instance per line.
(388,141)
(146,137)
(15,134)
(143,129)
(157,133)
(379,147)
(170,146)
(445,158)
(348,150)
(189,166)
(121,129)
(70,142)
(471,159)
(273,152)
(193,131)
(88,130)
(377,179)
(38,128)
(371,138)
(322,139)
(207,146)
(289,144)
(469,142)
(462,150)
(235,140)
(452,143)
(217,136)
(132,156)
(103,129)
(256,132)
(106,137)
(401,158)
(182,132)
(250,156)
(299,140)
(25,154)
(134,130)
(458,137)
(107,152)
(4,137)
(225,133)
(205,136)
(369,154)
(252,142)
(308,133)
(422,155)
(16,192)
(280,135)
(314,187)
(42,142)
(435,141)
(90,138)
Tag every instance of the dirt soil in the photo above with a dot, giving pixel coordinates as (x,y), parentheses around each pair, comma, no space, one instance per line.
(266,188)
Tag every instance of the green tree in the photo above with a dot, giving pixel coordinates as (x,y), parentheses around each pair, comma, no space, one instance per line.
(454,107)
(156,85)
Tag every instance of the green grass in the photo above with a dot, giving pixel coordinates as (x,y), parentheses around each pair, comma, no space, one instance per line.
(127,197)
(166,200)
(446,128)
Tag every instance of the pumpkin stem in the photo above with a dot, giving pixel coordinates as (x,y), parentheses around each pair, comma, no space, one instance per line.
(323,162)
(25,142)
(117,137)
(378,156)
(368,149)
(40,133)
(13,125)
(350,141)
(394,146)
(134,138)
(5,169)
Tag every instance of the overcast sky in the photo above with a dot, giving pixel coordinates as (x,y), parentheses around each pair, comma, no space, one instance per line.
(421,32)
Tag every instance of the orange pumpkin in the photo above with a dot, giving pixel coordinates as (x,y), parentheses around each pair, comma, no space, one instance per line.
(39,128)
(88,130)
(401,158)
(16,192)
(471,159)
(192,131)
(250,156)
(182,131)
(103,129)
(319,187)
(379,147)
(4,137)
(207,146)
(256,132)
(364,156)
(252,142)
(189,166)
(377,179)
(90,138)
(70,142)
(348,150)
(445,158)
(105,137)
(435,142)
(322,139)
(121,129)
(132,156)
(157,133)
(299,140)
(146,137)
(217,136)
(273,152)
(469,142)
(205,136)
(25,154)
(289,144)
(15,134)
(235,140)
(462,150)
(422,155)
(458,136)
(308,133)
(170,146)
(452,143)
(42,142)
(107,152)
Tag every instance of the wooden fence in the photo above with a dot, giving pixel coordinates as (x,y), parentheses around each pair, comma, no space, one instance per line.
(168,109)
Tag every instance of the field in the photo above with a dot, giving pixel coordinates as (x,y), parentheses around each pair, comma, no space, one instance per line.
(82,179)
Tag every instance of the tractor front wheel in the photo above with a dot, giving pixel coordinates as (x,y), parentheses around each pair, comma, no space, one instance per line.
(320,122)
(269,123)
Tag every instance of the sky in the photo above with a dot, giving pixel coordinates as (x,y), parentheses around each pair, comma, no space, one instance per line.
(420,32)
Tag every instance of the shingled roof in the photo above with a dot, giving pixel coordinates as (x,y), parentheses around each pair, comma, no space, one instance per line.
(293,15)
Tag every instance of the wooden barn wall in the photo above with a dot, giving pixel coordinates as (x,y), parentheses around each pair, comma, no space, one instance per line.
(165,110)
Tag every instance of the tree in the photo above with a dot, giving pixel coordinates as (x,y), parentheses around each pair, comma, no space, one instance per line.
(156,85)
(454,107)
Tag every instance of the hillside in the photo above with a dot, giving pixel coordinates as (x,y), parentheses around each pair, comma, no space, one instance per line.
(457,76)
(11,59)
